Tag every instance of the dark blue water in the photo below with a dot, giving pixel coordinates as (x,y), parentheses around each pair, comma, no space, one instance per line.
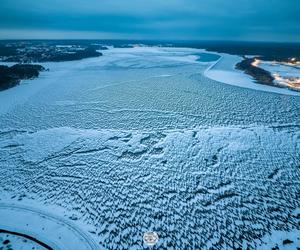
(207,57)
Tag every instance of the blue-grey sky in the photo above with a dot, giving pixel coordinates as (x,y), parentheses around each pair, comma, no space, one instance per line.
(255,20)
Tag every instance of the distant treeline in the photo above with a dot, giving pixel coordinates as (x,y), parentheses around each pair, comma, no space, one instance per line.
(60,57)
(11,76)
(260,75)
(266,51)
(28,52)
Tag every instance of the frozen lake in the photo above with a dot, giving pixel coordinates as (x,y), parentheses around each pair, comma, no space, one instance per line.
(140,140)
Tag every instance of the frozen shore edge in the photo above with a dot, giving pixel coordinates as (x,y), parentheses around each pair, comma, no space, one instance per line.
(41,224)
(223,70)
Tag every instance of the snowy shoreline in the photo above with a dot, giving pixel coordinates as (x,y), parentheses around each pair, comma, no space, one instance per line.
(224,71)
(38,224)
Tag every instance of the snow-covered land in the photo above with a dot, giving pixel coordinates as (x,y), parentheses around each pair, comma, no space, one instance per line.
(285,70)
(285,74)
(141,140)
(224,71)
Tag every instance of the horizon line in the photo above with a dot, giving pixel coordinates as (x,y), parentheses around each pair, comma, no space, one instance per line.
(148,40)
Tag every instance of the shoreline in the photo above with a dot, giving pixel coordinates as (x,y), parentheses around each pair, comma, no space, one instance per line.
(11,76)
(38,224)
(224,71)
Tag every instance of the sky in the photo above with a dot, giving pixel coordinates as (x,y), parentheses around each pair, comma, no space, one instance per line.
(197,20)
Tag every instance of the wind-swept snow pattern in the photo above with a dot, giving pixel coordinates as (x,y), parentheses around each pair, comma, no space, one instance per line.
(140,141)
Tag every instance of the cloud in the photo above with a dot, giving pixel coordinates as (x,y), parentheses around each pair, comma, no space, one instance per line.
(173,19)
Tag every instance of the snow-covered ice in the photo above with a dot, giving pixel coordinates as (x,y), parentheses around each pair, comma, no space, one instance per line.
(140,140)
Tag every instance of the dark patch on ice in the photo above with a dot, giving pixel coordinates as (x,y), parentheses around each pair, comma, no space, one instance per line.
(5,242)
(13,146)
(274,173)
(73,217)
(274,209)
(214,159)
(287,241)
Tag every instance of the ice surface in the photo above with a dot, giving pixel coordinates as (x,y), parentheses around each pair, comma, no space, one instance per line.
(284,240)
(140,140)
